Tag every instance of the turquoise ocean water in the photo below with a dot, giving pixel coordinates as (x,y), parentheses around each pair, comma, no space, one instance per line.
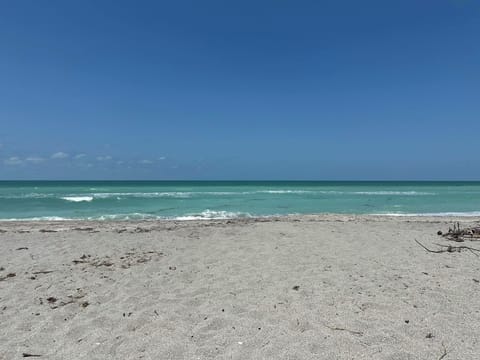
(120,200)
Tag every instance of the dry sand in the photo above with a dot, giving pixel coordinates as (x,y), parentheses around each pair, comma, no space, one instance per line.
(311,287)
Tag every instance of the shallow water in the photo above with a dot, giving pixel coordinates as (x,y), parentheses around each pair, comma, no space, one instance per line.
(120,200)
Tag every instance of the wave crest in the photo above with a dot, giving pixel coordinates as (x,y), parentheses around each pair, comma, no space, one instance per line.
(215,215)
(78,198)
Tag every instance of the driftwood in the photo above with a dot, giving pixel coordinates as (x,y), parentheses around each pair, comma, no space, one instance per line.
(444,353)
(460,235)
(449,248)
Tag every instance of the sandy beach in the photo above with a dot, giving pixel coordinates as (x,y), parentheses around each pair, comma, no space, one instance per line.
(310,287)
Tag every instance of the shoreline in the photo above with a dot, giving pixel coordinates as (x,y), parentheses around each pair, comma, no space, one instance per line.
(267,218)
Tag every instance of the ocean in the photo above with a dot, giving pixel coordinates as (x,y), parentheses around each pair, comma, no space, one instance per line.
(189,200)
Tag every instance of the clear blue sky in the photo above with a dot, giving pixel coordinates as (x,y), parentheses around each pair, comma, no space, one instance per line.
(240,89)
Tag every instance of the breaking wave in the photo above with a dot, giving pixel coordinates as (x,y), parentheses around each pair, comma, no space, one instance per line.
(214,215)
(40,218)
(404,193)
(190,194)
(78,198)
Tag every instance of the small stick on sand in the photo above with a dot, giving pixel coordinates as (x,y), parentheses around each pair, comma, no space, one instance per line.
(343,329)
(449,248)
(459,248)
(444,352)
(432,251)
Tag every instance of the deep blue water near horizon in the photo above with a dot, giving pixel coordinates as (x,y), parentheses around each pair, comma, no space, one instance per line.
(183,200)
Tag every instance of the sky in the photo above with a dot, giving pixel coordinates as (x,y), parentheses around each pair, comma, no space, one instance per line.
(240,90)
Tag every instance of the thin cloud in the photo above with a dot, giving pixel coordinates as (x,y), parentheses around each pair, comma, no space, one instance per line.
(35,159)
(79,156)
(104,158)
(60,155)
(14,160)
(146,162)
(162,158)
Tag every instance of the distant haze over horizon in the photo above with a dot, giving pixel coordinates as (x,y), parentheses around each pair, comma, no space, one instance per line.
(267,90)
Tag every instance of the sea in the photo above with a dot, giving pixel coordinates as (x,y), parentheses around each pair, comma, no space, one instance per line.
(192,200)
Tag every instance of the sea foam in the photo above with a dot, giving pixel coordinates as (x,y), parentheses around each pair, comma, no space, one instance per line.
(214,215)
(404,193)
(78,198)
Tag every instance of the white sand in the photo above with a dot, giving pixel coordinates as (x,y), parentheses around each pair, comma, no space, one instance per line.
(225,290)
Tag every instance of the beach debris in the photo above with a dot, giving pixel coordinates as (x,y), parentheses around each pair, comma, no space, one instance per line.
(172,268)
(125,261)
(22,248)
(79,262)
(82,259)
(30,355)
(141,230)
(74,298)
(42,272)
(106,263)
(9,275)
(458,234)
(84,229)
(449,248)
(429,336)
(444,352)
(2,268)
(296,288)
(476,280)
(62,303)
(47,231)
(335,328)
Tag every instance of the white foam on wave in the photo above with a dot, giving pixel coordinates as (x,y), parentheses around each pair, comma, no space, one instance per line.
(189,194)
(131,216)
(119,195)
(405,193)
(40,218)
(27,196)
(204,215)
(214,215)
(283,192)
(78,198)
